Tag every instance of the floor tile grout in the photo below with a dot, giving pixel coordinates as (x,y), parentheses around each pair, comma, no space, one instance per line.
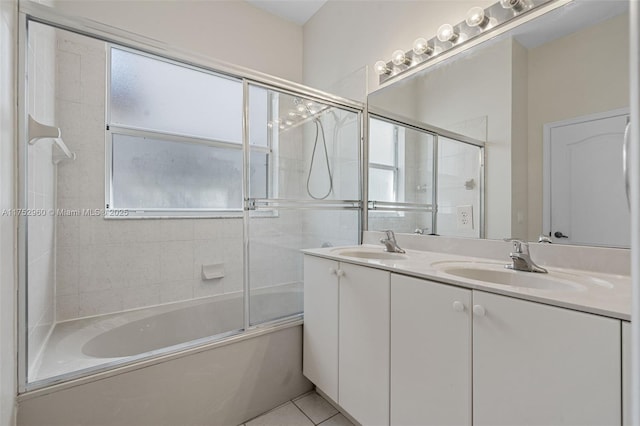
(302,411)
(326,420)
(293,402)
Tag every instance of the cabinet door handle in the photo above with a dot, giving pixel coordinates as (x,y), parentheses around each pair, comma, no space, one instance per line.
(458,306)
(479,310)
(340,273)
(332,271)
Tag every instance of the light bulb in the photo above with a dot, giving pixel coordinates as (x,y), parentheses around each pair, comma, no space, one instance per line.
(301,108)
(281,126)
(288,122)
(309,104)
(421,47)
(304,116)
(447,33)
(398,58)
(292,114)
(515,5)
(270,125)
(381,68)
(313,111)
(477,18)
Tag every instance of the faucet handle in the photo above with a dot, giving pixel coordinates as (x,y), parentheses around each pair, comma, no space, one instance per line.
(518,245)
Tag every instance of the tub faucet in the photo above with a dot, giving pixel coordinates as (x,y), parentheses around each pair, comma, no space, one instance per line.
(390,243)
(522,259)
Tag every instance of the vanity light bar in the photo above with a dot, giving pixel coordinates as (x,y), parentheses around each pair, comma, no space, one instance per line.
(478,21)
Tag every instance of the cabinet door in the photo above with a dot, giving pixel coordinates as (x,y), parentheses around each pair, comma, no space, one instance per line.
(535,364)
(320,336)
(430,353)
(364,344)
(626,373)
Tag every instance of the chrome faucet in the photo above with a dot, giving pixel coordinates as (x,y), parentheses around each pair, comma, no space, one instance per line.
(522,259)
(390,243)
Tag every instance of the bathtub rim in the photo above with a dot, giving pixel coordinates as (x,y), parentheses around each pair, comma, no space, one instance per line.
(77,378)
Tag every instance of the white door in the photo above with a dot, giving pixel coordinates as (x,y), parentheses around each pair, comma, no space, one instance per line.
(587,200)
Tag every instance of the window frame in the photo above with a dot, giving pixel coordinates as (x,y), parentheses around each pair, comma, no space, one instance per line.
(396,175)
(116,212)
(395,168)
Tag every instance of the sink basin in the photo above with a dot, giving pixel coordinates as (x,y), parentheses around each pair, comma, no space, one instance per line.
(515,278)
(371,254)
(496,273)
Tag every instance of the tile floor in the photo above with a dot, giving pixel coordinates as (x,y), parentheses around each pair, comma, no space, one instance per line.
(306,410)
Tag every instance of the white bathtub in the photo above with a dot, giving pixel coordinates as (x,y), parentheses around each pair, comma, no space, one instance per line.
(80,344)
(213,382)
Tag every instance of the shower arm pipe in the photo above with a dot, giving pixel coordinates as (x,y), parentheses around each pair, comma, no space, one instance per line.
(39,131)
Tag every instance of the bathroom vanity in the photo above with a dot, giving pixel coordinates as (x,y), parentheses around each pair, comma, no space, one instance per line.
(426,338)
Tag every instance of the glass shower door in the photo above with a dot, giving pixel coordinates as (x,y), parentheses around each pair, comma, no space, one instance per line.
(304,192)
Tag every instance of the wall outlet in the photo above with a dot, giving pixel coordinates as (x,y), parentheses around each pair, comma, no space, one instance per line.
(465,217)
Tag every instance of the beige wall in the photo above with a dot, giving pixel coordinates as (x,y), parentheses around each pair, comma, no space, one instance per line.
(226,30)
(583,73)
(344,36)
(8,23)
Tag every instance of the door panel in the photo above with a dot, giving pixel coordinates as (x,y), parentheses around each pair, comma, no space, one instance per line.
(364,344)
(535,364)
(588,203)
(430,353)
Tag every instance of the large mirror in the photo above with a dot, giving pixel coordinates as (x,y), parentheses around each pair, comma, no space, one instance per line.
(550,100)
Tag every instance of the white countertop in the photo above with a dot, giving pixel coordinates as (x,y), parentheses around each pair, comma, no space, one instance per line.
(597,293)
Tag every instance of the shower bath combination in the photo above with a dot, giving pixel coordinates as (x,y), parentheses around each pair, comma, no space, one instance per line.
(115,278)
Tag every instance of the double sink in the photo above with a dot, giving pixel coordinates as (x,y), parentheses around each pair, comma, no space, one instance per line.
(486,271)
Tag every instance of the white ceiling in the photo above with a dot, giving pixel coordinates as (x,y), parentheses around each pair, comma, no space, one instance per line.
(298,11)
(566,20)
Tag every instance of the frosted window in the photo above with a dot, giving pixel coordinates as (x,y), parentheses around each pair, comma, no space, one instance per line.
(258,116)
(159,174)
(382,143)
(259,174)
(153,94)
(381,184)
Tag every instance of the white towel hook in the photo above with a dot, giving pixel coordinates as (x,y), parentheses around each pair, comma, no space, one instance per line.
(39,131)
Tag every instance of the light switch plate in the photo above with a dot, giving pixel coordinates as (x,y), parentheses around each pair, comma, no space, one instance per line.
(465,217)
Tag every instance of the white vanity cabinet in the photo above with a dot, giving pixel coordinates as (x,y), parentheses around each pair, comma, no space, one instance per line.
(320,336)
(363,384)
(430,353)
(393,349)
(626,373)
(346,336)
(543,365)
